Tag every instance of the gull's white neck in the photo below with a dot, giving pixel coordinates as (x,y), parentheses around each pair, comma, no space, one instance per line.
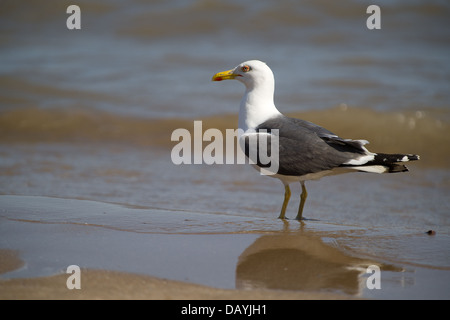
(257,104)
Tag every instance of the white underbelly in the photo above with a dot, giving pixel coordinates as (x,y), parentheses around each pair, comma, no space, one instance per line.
(310,176)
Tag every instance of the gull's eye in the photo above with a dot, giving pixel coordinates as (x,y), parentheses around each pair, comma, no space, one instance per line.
(245,68)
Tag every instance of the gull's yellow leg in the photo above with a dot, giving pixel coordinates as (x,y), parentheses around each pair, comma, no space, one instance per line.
(287,195)
(302,201)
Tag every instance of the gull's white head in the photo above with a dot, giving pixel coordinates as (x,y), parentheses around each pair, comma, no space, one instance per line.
(257,104)
(252,73)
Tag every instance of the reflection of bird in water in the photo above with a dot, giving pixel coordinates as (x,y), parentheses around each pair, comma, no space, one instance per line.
(297,262)
(306,151)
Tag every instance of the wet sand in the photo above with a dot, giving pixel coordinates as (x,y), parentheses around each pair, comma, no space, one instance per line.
(145,253)
(104,284)
(42,239)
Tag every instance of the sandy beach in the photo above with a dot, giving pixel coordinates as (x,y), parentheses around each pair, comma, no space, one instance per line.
(104,285)
(166,241)
(109,284)
(144,253)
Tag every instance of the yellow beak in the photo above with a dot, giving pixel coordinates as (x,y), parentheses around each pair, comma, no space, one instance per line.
(224,75)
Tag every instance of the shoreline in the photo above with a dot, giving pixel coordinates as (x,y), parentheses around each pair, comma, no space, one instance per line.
(137,253)
(189,265)
(106,285)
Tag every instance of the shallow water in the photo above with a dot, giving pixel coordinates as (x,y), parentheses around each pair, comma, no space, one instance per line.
(222,250)
(88,115)
(156,59)
(146,206)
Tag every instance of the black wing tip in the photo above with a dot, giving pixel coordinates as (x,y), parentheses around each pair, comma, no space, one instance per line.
(384,158)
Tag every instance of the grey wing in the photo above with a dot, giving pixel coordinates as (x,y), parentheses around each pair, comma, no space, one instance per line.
(343,145)
(320,131)
(305,147)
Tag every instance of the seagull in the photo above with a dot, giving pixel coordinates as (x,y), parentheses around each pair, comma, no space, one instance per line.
(306,151)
